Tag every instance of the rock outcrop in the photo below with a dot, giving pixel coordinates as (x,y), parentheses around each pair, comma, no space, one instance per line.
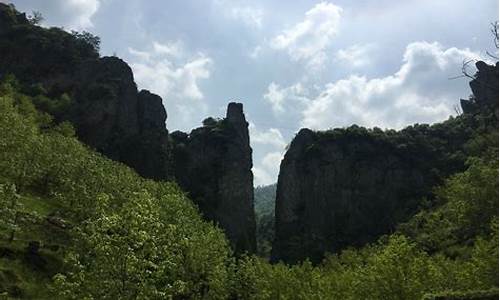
(117,120)
(213,163)
(347,187)
(484,88)
(108,112)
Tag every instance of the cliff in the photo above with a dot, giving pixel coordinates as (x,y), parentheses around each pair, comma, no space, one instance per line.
(98,95)
(66,78)
(347,187)
(213,163)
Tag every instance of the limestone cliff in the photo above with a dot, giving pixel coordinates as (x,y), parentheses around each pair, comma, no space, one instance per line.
(213,163)
(347,187)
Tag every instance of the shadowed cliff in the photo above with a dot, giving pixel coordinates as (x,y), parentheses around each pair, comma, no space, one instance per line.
(347,187)
(214,164)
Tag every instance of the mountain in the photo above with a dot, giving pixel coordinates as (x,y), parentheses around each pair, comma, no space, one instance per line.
(346,187)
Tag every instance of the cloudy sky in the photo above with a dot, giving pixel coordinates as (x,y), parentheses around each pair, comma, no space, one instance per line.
(304,63)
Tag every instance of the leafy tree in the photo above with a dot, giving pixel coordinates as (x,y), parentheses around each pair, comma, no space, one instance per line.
(9,210)
(36,18)
(88,38)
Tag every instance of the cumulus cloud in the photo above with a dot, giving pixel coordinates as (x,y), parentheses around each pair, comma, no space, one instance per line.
(419,92)
(164,70)
(307,41)
(261,177)
(271,137)
(70,14)
(266,170)
(278,96)
(354,56)
(248,15)
(272,161)
(271,147)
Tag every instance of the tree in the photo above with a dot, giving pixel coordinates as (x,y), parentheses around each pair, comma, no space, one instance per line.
(9,210)
(88,38)
(36,18)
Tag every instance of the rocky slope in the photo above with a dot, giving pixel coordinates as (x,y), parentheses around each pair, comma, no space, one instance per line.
(214,164)
(346,187)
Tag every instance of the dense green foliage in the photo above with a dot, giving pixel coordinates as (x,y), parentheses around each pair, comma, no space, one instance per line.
(469,204)
(114,234)
(264,213)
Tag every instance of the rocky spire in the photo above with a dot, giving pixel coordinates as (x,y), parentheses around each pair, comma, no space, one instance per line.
(214,165)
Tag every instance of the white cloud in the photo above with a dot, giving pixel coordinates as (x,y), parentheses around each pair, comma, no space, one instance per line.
(272,161)
(248,15)
(270,145)
(419,92)
(270,137)
(164,71)
(278,96)
(70,14)
(354,56)
(171,49)
(275,96)
(308,40)
(261,177)
(266,171)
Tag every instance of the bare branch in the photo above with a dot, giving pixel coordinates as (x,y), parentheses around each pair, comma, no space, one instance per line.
(494,32)
(465,72)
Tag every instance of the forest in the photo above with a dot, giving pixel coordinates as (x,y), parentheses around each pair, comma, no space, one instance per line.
(80,218)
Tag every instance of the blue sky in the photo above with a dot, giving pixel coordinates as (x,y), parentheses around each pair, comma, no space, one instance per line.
(316,64)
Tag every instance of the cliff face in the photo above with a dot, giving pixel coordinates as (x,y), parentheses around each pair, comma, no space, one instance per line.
(117,120)
(108,112)
(347,187)
(213,163)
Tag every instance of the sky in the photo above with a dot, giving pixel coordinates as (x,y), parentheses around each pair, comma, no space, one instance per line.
(293,64)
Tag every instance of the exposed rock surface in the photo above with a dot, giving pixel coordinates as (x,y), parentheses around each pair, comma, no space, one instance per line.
(108,112)
(213,163)
(484,88)
(347,187)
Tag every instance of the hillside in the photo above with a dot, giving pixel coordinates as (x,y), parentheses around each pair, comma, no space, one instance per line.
(264,213)
(90,227)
